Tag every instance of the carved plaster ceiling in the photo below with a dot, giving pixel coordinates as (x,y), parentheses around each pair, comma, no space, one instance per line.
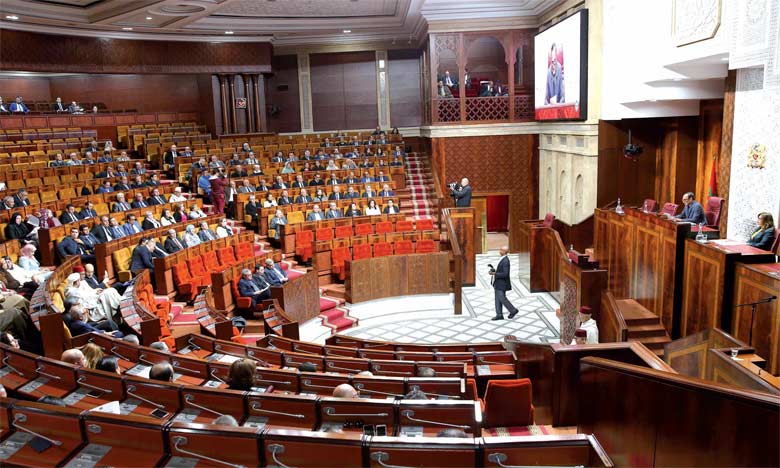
(286,23)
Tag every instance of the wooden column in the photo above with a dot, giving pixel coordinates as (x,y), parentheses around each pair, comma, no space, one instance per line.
(259,109)
(461,65)
(250,115)
(511,56)
(232,103)
(223,104)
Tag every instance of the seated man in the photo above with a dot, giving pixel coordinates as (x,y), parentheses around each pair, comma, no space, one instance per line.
(75,319)
(284,199)
(336,195)
(259,278)
(177,196)
(162,371)
(248,288)
(315,215)
(345,391)
(386,192)
(156,198)
(693,212)
(149,222)
(369,193)
(316,181)
(88,211)
(173,244)
(100,304)
(274,273)
(205,233)
(142,256)
(69,215)
(139,201)
(351,193)
(278,220)
(90,279)
(333,212)
(132,226)
(102,230)
(123,184)
(391,208)
(72,245)
(382,177)
(74,356)
(303,197)
(120,204)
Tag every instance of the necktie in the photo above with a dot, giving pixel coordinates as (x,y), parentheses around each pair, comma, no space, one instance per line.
(108,235)
(178,244)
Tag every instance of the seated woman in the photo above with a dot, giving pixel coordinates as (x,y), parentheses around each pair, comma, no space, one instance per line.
(764,235)
(372,209)
(269,201)
(31,265)
(100,304)
(167,218)
(331,166)
(288,168)
(180,213)
(17,228)
(190,237)
(353,210)
(320,196)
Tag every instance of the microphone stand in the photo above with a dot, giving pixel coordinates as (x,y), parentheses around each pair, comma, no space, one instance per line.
(753,306)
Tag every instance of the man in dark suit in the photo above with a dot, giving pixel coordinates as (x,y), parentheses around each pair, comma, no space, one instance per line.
(461,193)
(238,171)
(142,256)
(366,178)
(299,182)
(252,208)
(333,212)
(248,288)
(102,231)
(122,185)
(336,195)
(386,192)
(316,181)
(69,215)
(351,193)
(170,156)
(139,201)
(279,184)
(205,233)
(303,197)
(88,211)
(72,245)
(274,273)
(74,108)
(487,89)
(259,278)
(58,106)
(502,283)
(391,208)
(120,204)
(262,186)
(334,180)
(149,222)
(173,244)
(90,278)
(315,215)
(693,212)
(351,179)
(156,198)
(21,199)
(107,174)
(284,199)
(132,226)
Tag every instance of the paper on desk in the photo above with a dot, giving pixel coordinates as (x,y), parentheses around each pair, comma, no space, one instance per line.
(228,358)
(111,407)
(725,242)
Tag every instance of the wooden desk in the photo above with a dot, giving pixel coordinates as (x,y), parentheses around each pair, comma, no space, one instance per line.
(708,283)
(752,283)
(397,275)
(640,252)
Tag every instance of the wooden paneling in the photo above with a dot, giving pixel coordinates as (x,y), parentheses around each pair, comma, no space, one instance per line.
(753,283)
(494,164)
(405,93)
(676,161)
(27,51)
(286,100)
(88,120)
(397,275)
(31,88)
(723,370)
(708,283)
(724,159)
(661,419)
(300,299)
(465,229)
(343,90)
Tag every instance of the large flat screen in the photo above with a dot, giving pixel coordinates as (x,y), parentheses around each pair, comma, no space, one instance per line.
(561,70)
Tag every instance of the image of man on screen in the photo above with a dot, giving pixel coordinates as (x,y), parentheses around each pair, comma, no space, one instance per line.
(555,92)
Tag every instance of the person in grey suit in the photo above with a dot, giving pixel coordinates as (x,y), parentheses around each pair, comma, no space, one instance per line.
(316,214)
(461,193)
(205,233)
(502,283)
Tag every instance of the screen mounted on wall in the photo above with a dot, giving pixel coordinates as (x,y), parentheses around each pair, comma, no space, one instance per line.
(561,70)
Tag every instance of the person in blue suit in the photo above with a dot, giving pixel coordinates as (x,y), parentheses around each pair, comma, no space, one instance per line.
(502,283)
(764,235)
(247,287)
(274,274)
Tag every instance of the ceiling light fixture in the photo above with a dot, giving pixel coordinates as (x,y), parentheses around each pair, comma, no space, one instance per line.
(149,18)
(229,33)
(347,31)
(127,29)
(677,79)
(11,17)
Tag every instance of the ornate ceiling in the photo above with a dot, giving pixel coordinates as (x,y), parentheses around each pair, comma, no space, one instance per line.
(286,23)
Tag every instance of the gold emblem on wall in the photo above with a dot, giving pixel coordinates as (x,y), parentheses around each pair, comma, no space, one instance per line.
(757,156)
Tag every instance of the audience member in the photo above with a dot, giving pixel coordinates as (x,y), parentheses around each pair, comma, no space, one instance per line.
(763,237)
(274,273)
(74,356)
(345,391)
(241,375)
(92,353)
(247,287)
(426,372)
(162,371)
(109,364)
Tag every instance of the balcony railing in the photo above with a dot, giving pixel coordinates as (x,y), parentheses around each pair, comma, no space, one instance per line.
(482,109)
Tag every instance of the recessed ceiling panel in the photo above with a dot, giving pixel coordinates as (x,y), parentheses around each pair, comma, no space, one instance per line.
(309,8)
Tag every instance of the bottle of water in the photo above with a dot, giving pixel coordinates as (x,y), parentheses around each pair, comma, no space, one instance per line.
(644,207)
(700,237)
(619,208)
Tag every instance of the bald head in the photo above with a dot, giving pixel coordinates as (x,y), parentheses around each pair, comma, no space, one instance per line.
(345,391)
(75,357)
(504,250)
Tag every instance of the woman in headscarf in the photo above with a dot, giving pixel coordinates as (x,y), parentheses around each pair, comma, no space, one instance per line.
(101,304)
(190,237)
(17,228)
(30,264)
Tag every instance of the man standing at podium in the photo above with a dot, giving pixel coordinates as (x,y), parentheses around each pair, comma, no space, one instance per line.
(502,283)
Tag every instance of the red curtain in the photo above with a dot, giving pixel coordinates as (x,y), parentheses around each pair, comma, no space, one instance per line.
(498,213)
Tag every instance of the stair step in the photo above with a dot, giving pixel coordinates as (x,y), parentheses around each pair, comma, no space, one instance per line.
(635,314)
(641,331)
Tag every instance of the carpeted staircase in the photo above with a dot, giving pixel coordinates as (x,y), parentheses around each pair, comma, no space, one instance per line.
(335,315)
(419,184)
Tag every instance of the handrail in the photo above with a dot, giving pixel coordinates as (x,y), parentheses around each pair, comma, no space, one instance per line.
(457,258)
(621,321)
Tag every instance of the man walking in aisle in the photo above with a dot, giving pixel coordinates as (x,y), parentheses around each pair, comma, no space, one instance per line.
(502,283)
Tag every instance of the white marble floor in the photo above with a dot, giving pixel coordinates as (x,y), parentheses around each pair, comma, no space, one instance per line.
(430,318)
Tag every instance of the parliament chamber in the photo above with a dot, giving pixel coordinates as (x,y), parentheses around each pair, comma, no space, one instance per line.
(284,233)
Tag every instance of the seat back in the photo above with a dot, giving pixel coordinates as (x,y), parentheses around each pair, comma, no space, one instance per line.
(324,234)
(304,237)
(776,243)
(508,403)
(404,226)
(384,227)
(426,246)
(196,267)
(226,256)
(361,251)
(713,209)
(649,205)
(548,220)
(343,231)
(210,261)
(295,217)
(364,229)
(404,247)
(669,209)
(383,249)
(244,250)
(424,224)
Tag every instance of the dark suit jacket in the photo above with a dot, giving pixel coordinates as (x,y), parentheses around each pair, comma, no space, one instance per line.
(159,200)
(301,199)
(146,224)
(141,259)
(462,196)
(332,214)
(387,210)
(100,234)
(297,184)
(19,202)
(171,247)
(763,239)
(137,204)
(124,206)
(501,280)
(247,288)
(168,158)
(692,213)
(121,186)
(251,209)
(278,186)
(87,214)
(334,197)
(273,279)
(66,217)
(55,107)
(315,182)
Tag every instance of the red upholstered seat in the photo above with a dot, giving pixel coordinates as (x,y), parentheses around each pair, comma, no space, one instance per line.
(383,249)
(210,261)
(404,247)
(364,229)
(198,270)
(343,231)
(548,220)
(383,227)
(338,256)
(244,250)
(404,226)
(303,244)
(426,246)
(776,244)
(424,224)
(508,403)
(361,251)
(226,256)
(242,303)
(186,285)
(649,205)
(324,234)
(712,211)
(669,208)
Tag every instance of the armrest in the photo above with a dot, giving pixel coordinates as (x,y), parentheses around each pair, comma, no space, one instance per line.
(125,276)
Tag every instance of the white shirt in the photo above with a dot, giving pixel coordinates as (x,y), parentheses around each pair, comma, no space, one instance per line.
(176,198)
(223,232)
(373,211)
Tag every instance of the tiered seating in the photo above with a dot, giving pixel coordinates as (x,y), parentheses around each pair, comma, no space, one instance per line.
(15,135)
